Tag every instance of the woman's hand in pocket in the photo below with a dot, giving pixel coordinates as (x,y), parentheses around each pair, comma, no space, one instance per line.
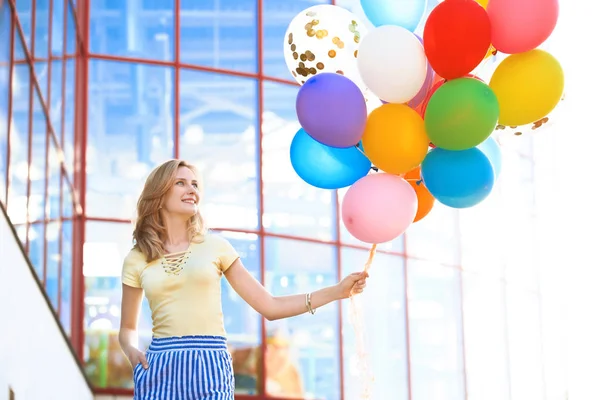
(136,357)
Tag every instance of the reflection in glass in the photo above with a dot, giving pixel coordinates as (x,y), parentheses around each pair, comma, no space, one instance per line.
(52,260)
(58,20)
(37,168)
(302,358)
(19,144)
(66,264)
(130,131)
(133,28)
(486,349)
(483,232)
(68,136)
(383,305)
(106,246)
(525,345)
(521,264)
(36,249)
(436,231)
(218,135)
(42,9)
(242,323)
(292,206)
(4,96)
(436,353)
(219,34)
(24,8)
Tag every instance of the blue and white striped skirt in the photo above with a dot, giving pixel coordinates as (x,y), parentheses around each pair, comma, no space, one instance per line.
(185,368)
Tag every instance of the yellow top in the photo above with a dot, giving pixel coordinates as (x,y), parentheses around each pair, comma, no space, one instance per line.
(183,289)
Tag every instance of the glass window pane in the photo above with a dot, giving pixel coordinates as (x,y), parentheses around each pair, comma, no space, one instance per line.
(134,28)
(52,260)
(66,283)
(130,130)
(68,136)
(277,15)
(54,176)
(67,198)
(19,144)
(105,247)
(383,306)
(42,11)
(292,206)
(219,34)
(218,135)
(302,358)
(435,237)
(436,353)
(55,105)
(25,19)
(525,345)
(483,231)
(71,31)
(242,323)
(36,248)
(37,170)
(521,264)
(486,348)
(5,27)
(516,184)
(58,20)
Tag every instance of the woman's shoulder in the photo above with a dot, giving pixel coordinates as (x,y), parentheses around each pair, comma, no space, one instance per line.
(135,257)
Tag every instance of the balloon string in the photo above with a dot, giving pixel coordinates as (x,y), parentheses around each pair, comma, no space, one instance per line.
(357,320)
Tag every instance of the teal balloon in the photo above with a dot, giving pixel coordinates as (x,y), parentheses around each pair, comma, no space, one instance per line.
(326,167)
(404,13)
(458,179)
(491,149)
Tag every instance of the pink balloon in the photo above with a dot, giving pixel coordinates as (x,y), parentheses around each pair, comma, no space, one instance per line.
(379,207)
(521,25)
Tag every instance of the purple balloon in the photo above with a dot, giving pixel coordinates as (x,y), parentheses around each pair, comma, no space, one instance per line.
(332,110)
(420,96)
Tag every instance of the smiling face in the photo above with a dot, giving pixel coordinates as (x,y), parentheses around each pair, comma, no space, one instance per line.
(183,197)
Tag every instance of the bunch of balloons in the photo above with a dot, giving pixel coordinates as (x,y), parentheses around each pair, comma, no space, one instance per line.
(402,120)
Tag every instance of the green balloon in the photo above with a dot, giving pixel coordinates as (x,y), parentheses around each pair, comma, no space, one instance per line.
(462,113)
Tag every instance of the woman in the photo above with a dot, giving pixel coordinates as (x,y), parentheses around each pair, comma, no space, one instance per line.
(178,266)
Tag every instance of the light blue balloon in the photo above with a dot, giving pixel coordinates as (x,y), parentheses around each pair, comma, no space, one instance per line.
(326,167)
(458,179)
(404,13)
(491,149)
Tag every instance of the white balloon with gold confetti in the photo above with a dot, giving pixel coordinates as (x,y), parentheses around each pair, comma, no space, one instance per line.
(323,38)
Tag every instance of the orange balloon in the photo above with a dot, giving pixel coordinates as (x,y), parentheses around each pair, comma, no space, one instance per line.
(425,198)
(395,139)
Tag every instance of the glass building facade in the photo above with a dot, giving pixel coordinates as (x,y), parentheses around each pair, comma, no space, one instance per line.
(95,93)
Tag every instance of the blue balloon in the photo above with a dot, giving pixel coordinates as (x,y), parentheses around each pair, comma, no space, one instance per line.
(404,13)
(326,167)
(458,179)
(491,149)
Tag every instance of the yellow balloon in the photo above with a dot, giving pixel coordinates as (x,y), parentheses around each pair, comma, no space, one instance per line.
(395,139)
(483,3)
(528,86)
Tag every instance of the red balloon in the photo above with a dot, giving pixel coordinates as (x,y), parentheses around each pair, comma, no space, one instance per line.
(457,37)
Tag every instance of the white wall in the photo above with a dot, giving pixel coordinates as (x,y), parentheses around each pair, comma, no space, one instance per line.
(35,360)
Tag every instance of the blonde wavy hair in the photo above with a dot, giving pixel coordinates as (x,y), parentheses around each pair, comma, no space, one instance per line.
(150,231)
